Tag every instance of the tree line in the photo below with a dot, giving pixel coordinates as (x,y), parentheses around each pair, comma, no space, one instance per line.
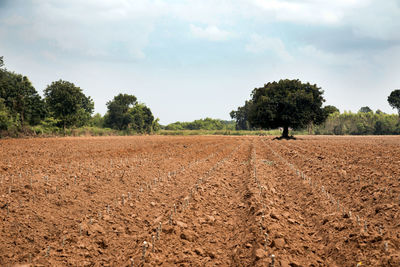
(291,104)
(65,106)
(202,124)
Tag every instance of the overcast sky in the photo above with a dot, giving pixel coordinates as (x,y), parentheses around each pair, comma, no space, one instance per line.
(190,59)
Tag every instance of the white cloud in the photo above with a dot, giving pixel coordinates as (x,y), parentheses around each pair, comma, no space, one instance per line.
(260,44)
(212,33)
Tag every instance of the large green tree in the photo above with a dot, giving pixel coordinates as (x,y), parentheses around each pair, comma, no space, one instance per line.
(68,104)
(21,98)
(142,119)
(394,100)
(287,103)
(125,113)
(118,115)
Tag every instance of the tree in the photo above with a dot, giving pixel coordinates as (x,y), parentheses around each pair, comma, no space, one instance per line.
(142,119)
(394,100)
(125,113)
(118,116)
(365,109)
(330,110)
(287,103)
(241,116)
(21,98)
(68,104)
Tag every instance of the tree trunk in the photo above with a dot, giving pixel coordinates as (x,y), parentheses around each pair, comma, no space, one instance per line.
(285,133)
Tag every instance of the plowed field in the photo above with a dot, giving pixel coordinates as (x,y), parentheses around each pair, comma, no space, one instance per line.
(200,201)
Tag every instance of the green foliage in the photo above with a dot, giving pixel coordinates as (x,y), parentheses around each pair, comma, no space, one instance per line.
(125,113)
(360,123)
(365,109)
(118,115)
(142,119)
(241,115)
(156,125)
(47,126)
(330,110)
(68,104)
(394,100)
(6,121)
(97,121)
(202,124)
(287,103)
(21,98)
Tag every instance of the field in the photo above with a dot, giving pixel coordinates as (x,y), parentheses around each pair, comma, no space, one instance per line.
(200,201)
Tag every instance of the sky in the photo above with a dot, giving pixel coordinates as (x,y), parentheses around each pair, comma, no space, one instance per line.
(191,59)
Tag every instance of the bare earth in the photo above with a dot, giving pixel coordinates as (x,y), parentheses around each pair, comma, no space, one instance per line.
(200,201)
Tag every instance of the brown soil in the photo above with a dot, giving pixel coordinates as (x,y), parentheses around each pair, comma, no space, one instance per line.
(200,201)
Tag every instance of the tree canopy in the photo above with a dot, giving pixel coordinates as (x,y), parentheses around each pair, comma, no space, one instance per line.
(67,103)
(330,110)
(118,116)
(394,100)
(125,113)
(365,109)
(287,103)
(22,100)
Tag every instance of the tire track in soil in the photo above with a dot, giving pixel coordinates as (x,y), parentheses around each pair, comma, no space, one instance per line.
(219,228)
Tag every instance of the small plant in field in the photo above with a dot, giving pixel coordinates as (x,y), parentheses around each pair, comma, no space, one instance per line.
(386,245)
(132,262)
(272,260)
(48,251)
(152,243)
(145,245)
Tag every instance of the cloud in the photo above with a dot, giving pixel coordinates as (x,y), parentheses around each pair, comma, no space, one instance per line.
(259,44)
(211,33)
(311,11)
